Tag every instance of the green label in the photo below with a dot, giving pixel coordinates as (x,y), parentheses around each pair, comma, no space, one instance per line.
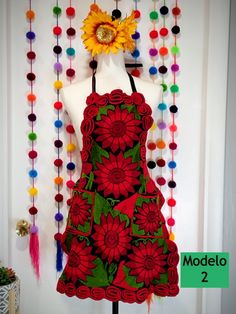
(204,270)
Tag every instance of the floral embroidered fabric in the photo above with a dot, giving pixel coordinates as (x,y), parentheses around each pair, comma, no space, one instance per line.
(116,239)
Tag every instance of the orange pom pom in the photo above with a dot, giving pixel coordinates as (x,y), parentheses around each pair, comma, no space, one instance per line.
(58,180)
(31,97)
(161,144)
(30,14)
(163,51)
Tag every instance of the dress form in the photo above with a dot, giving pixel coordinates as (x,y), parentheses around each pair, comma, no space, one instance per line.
(110,74)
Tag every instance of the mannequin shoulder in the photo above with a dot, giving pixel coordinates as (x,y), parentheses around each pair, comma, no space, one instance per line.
(151,91)
(77,90)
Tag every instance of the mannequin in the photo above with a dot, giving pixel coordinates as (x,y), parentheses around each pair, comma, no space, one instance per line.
(110,74)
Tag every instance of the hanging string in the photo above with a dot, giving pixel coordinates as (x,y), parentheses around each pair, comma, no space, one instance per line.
(136,36)
(173,111)
(57,31)
(32,137)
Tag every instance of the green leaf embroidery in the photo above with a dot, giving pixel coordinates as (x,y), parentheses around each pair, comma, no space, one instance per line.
(84,228)
(136,230)
(99,278)
(134,153)
(101,205)
(97,153)
(131,280)
(103,110)
(112,269)
(90,181)
(89,197)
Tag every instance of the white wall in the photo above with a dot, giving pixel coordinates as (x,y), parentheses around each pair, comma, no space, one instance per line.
(200,138)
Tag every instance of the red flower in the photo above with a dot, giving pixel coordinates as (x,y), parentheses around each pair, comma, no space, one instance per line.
(173,259)
(143,152)
(97,293)
(118,129)
(113,294)
(80,261)
(173,277)
(147,122)
(117,175)
(149,218)
(111,239)
(128,296)
(79,211)
(84,155)
(102,100)
(172,247)
(81,183)
(173,290)
(90,112)
(87,142)
(70,289)
(83,292)
(128,100)
(161,290)
(143,137)
(138,98)
(91,99)
(142,295)
(87,126)
(87,167)
(61,286)
(144,110)
(147,262)
(116,97)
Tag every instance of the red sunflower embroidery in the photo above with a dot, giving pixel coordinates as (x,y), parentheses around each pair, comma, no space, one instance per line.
(149,217)
(117,175)
(147,262)
(80,261)
(111,238)
(79,211)
(118,129)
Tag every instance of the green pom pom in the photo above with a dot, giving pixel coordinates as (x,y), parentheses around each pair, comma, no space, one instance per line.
(175,50)
(174,88)
(32,136)
(57,10)
(164,87)
(153,15)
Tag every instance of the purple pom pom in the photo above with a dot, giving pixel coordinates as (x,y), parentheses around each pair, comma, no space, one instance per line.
(162,125)
(58,67)
(175,67)
(153,52)
(34,229)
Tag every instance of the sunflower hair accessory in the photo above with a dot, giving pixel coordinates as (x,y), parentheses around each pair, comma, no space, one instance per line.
(102,33)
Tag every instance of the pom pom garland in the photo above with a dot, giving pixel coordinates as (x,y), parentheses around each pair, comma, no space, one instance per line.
(136,36)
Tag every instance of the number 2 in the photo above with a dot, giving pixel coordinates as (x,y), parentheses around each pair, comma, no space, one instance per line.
(205,276)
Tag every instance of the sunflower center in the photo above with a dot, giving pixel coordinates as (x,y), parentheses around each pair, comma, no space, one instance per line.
(118,128)
(111,239)
(151,216)
(74,260)
(149,262)
(117,175)
(105,34)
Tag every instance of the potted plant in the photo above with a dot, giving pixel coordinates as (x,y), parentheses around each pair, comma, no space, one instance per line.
(9,291)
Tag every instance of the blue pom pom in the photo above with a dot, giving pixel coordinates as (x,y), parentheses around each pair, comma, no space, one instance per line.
(153,70)
(135,53)
(70,51)
(59,257)
(70,166)
(30,35)
(58,217)
(58,124)
(33,173)
(172,164)
(162,106)
(136,36)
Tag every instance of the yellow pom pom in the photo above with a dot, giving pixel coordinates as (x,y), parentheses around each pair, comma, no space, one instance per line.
(33,191)
(58,180)
(171,236)
(58,84)
(153,127)
(71,147)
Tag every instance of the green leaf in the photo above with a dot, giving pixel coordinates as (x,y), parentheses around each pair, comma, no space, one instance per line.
(89,197)
(84,228)
(103,110)
(136,230)
(68,240)
(134,153)
(112,269)
(131,280)
(164,278)
(90,181)
(97,153)
(99,278)
(101,205)
(159,232)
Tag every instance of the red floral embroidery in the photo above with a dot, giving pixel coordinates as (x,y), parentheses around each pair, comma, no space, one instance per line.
(84,155)
(61,286)
(142,295)
(173,259)
(172,247)
(87,142)
(149,218)
(173,277)
(147,262)
(79,211)
(161,290)
(97,293)
(128,296)
(116,97)
(113,294)
(87,168)
(80,261)
(144,110)
(118,129)
(128,100)
(138,98)
(173,290)
(117,175)
(70,290)
(91,99)
(83,292)
(147,122)
(102,100)
(90,112)
(111,238)
(87,126)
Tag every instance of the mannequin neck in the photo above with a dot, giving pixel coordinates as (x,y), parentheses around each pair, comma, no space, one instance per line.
(110,64)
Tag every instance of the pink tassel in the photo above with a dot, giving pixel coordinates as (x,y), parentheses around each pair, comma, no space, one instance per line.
(34,249)
(149,300)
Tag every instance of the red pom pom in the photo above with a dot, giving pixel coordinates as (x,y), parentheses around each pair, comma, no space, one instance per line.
(171,222)
(151,145)
(31,55)
(137,14)
(58,162)
(163,31)
(59,198)
(58,105)
(32,154)
(135,73)
(70,72)
(153,34)
(176,11)
(57,236)
(33,210)
(70,11)
(171,202)
(69,201)
(70,129)
(161,181)
(57,30)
